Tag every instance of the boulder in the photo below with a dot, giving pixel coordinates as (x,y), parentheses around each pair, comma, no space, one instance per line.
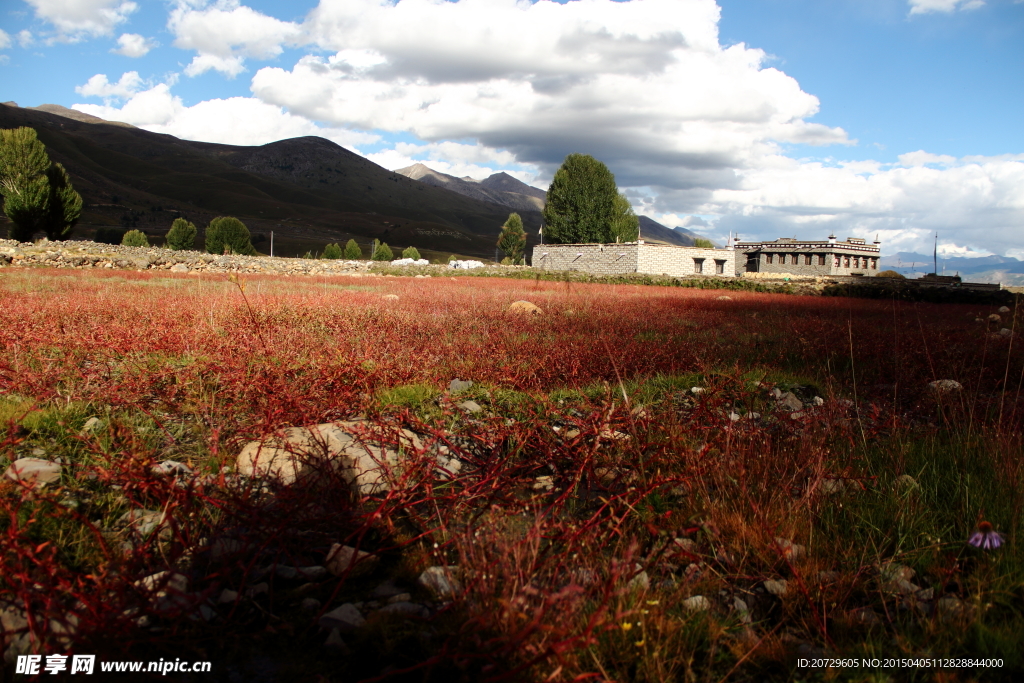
(790,402)
(344,559)
(345,618)
(458,385)
(440,581)
(179,268)
(698,603)
(34,472)
(524,308)
(298,452)
(944,386)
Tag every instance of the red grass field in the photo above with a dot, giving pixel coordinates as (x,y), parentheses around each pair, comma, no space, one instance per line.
(191,368)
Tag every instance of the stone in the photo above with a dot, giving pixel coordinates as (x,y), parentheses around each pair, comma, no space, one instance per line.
(179,268)
(313,573)
(407,609)
(724,298)
(995,318)
(831,486)
(388,589)
(335,642)
(471,407)
(172,468)
(777,587)
(742,610)
(447,467)
(905,482)
(892,571)
(544,483)
(227,596)
(33,472)
(818,401)
(309,605)
(697,390)
(401,597)
(698,603)
(390,297)
(949,607)
(345,560)
(93,424)
(791,551)
(225,547)
(1004,309)
(261,588)
(524,308)
(457,385)
(790,402)
(440,581)
(143,522)
(1005,332)
(299,452)
(640,582)
(163,583)
(345,618)
(944,386)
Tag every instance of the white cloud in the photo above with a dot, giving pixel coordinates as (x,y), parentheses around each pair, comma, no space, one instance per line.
(232,121)
(25,38)
(225,33)
(77,19)
(134,45)
(947,6)
(98,86)
(5,40)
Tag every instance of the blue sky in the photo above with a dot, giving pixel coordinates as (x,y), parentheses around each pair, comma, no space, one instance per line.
(761,117)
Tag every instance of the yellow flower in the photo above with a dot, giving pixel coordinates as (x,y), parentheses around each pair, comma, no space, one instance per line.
(640,643)
(626,626)
(654,602)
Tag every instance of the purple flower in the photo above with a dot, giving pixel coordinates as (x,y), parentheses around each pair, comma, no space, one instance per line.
(985,538)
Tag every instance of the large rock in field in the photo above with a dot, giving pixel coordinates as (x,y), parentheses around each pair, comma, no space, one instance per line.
(35,472)
(524,308)
(296,453)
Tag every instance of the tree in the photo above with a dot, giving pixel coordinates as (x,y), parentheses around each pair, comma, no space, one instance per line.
(135,238)
(582,202)
(382,252)
(353,252)
(512,239)
(182,235)
(231,233)
(411,252)
(38,195)
(625,225)
(891,273)
(332,251)
(703,243)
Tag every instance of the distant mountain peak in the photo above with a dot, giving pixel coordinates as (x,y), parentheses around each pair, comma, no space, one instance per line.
(499,188)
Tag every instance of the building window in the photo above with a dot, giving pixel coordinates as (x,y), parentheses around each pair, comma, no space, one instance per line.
(856,262)
(769,258)
(874,264)
(846,262)
(821,259)
(807,260)
(720,267)
(796,260)
(837,262)
(698,265)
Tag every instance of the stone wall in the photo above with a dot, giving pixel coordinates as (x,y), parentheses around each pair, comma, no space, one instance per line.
(618,259)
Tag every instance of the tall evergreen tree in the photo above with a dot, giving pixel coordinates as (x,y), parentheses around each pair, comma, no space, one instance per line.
(581,202)
(353,252)
(229,232)
(512,239)
(38,195)
(382,252)
(411,252)
(625,225)
(182,235)
(332,251)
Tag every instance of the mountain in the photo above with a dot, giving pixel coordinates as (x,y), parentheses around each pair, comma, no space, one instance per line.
(499,188)
(308,191)
(992,269)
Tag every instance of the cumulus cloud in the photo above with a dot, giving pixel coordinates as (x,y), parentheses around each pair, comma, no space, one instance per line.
(25,38)
(947,6)
(77,19)
(224,34)
(5,40)
(134,45)
(232,121)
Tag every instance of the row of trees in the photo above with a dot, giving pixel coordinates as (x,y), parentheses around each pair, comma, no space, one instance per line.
(224,235)
(380,251)
(583,205)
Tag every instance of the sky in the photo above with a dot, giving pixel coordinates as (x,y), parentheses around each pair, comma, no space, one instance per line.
(764,118)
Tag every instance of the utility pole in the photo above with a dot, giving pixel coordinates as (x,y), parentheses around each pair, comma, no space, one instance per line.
(271,244)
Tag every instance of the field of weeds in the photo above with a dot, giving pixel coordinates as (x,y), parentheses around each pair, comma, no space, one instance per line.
(637,484)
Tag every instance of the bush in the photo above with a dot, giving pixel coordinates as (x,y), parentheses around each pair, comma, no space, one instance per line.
(506,261)
(227,232)
(891,273)
(411,252)
(332,251)
(703,243)
(382,252)
(353,252)
(182,235)
(134,238)
(109,235)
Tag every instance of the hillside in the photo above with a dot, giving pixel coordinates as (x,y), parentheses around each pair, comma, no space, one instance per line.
(989,269)
(308,191)
(499,188)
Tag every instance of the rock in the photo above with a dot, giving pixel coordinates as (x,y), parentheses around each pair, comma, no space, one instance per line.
(309,605)
(345,618)
(261,588)
(742,610)
(447,467)
(525,308)
(313,573)
(335,642)
(408,609)
(179,268)
(790,402)
(401,597)
(944,386)
(818,401)
(299,452)
(863,615)
(388,589)
(227,596)
(1004,309)
(791,551)
(640,580)
(995,318)
(33,472)
(345,560)
(390,297)
(225,547)
(735,417)
(724,298)
(831,486)
(905,482)
(698,603)
(949,607)
(471,407)
(143,522)
(458,385)
(1005,332)
(440,581)
(697,390)
(93,424)
(545,483)
(172,467)
(163,583)
(777,588)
